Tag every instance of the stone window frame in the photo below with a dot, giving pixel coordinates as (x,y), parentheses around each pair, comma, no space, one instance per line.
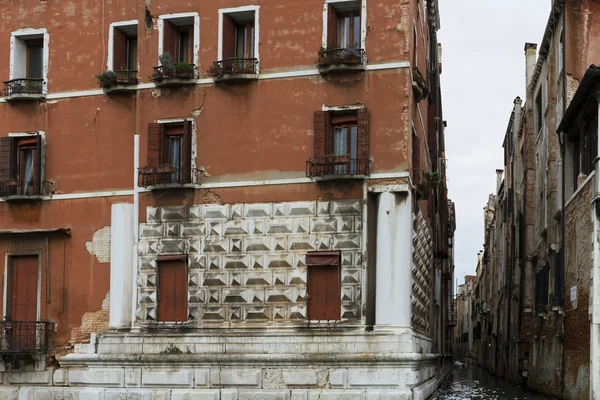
(238,10)
(196,33)
(363,20)
(111,34)
(25,34)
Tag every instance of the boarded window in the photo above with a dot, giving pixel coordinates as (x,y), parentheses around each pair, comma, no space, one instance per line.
(324,286)
(172,291)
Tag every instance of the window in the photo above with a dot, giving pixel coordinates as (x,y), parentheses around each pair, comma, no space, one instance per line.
(170,153)
(416,150)
(542,278)
(21,165)
(179,36)
(29,61)
(324,286)
(560,52)
(585,149)
(539,112)
(341,143)
(344,25)
(123,51)
(238,40)
(172,290)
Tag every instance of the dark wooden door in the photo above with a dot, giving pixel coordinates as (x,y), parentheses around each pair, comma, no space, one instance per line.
(172,291)
(324,301)
(23,301)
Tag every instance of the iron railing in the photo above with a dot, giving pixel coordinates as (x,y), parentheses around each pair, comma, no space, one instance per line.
(234,66)
(118,78)
(161,73)
(28,86)
(319,167)
(25,336)
(24,188)
(344,56)
(153,176)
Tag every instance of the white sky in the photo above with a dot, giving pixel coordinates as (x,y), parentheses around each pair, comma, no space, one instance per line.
(483,71)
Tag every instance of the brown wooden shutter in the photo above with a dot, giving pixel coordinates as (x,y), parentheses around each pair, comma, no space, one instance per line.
(416,151)
(37,168)
(119,50)
(332,27)
(228,37)
(324,300)
(6,156)
(170,39)
(172,291)
(363,139)
(322,133)
(154,139)
(187,152)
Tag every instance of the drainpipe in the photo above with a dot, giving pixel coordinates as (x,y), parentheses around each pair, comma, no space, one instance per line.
(136,219)
(595,328)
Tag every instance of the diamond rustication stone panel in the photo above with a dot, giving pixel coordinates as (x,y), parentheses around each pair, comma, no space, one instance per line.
(247,262)
(421,274)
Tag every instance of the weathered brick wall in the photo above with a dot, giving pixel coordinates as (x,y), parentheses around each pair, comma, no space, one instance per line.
(578,257)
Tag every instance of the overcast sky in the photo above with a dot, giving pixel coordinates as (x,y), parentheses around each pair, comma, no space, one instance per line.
(483,71)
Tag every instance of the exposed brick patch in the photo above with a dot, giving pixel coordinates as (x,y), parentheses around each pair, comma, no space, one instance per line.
(211,198)
(92,322)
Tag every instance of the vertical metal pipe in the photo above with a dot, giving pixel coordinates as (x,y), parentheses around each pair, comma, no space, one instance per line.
(136,217)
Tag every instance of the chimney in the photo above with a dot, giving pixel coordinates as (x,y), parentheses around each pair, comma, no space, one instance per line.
(499,174)
(530,61)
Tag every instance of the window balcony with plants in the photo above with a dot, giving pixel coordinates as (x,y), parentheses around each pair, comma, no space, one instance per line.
(167,176)
(230,69)
(333,59)
(117,81)
(24,89)
(170,73)
(424,182)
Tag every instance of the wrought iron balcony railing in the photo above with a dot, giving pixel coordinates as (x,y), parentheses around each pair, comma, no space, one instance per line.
(234,66)
(161,73)
(167,176)
(340,166)
(343,56)
(18,188)
(30,337)
(24,86)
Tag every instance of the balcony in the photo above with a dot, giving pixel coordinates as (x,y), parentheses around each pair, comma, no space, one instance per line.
(167,177)
(235,69)
(451,317)
(118,81)
(341,60)
(15,190)
(25,337)
(329,168)
(181,74)
(424,182)
(25,89)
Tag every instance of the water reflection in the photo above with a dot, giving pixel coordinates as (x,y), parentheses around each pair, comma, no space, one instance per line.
(473,383)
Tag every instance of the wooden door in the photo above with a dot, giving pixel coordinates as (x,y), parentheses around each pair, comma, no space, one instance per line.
(172,291)
(324,300)
(23,301)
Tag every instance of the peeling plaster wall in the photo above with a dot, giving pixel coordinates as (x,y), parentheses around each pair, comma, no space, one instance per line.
(100,245)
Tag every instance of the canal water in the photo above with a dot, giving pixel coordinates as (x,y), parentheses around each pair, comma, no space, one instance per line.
(473,383)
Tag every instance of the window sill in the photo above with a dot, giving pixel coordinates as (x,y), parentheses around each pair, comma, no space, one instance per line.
(25,198)
(233,77)
(171,186)
(26,97)
(324,70)
(120,89)
(175,82)
(335,177)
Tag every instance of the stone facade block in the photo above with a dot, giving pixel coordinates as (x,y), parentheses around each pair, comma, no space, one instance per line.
(377,378)
(179,394)
(30,378)
(171,378)
(60,377)
(264,395)
(385,394)
(300,378)
(202,377)
(9,393)
(114,377)
(236,377)
(91,394)
(336,395)
(338,378)
(128,394)
(299,395)
(133,377)
(229,394)
(251,257)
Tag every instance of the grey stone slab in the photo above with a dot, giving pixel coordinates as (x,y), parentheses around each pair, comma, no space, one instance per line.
(264,395)
(167,377)
(114,377)
(249,377)
(178,394)
(30,378)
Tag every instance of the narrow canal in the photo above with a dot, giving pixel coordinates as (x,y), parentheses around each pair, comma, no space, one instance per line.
(474,383)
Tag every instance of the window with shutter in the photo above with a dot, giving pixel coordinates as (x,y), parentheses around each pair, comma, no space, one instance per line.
(341,143)
(324,286)
(21,165)
(178,39)
(344,25)
(238,50)
(124,50)
(172,291)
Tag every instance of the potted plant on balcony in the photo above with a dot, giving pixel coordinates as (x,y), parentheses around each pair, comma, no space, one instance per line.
(147,170)
(165,169)
(106,79)
(166,69)
(184,70)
